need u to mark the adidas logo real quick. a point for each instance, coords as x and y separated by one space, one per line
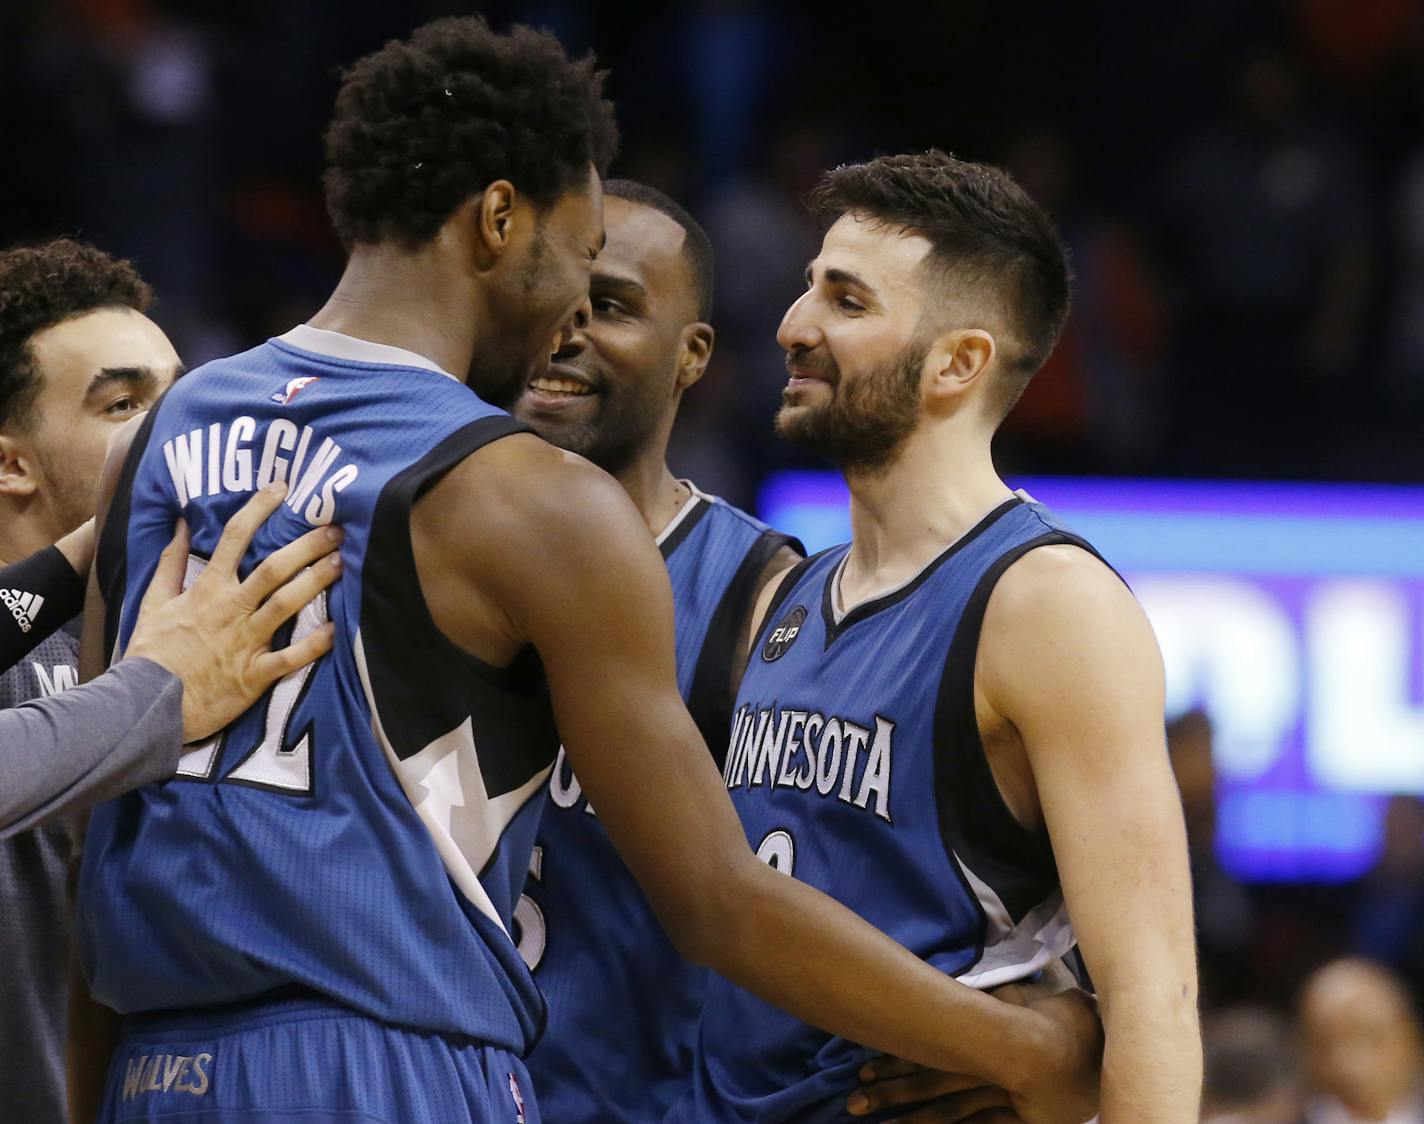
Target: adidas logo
25 607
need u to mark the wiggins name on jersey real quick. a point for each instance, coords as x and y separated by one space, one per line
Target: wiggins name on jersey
855 765
362 833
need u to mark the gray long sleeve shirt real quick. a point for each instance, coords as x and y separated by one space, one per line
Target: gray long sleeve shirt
62 748
73 749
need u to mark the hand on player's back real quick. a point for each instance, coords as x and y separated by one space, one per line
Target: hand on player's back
216 635
1065 1095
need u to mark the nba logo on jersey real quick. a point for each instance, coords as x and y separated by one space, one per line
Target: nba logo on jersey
518 1100
293 388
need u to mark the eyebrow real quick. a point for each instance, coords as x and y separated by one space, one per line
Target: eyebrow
845 277
624 285
108 376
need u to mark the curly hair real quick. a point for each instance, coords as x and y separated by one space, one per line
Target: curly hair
422 125
40 286
984 230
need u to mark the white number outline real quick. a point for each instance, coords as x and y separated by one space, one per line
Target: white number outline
533 930
778 851
272 764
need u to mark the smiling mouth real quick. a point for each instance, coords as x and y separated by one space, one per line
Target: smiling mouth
560 387
559 381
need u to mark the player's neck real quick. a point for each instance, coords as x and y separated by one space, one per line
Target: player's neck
903 516
655 491
406 300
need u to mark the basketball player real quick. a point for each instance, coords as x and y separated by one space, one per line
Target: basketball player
963 706
313 919
78 357
611 395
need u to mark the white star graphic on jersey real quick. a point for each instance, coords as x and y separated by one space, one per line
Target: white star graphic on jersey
443 793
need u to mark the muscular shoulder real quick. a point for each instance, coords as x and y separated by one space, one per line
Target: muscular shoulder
516 535
522 491
1060 616
1056 583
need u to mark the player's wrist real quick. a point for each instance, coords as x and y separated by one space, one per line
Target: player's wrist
1034 1050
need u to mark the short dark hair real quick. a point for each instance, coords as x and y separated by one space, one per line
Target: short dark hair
984 230
42 285
696 246
423 124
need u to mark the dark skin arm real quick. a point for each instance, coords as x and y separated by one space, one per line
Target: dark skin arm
523 544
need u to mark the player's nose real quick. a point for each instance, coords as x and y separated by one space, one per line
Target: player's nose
575 337
798 330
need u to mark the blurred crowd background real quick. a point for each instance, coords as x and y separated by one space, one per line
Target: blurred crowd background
1241 184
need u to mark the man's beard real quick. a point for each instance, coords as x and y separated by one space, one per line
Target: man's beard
621 430
867 419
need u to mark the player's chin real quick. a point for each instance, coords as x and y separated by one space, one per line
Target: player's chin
793 420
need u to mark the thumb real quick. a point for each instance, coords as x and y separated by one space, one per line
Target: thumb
172 568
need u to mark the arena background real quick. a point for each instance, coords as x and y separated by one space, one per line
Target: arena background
1234 414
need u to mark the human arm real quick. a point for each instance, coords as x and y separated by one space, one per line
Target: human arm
527 545
1068 659
929 1096
87 744
768 582
40 593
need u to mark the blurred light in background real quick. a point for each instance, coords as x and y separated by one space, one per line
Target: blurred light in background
1293 614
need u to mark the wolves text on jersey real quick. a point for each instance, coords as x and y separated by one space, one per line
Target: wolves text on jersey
204 462
803 749
158 1073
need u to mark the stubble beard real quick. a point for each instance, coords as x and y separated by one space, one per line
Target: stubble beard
867 419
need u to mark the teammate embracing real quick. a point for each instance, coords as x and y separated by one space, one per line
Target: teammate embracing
623 1004
313 921
952 724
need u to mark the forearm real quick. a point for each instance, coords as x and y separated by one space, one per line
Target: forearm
1152 1062
74 749
849 979
37 595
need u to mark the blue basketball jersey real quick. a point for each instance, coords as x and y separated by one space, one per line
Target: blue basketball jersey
855 765
363 832
623 1005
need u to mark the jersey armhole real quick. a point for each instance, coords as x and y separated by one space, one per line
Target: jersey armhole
111 548
712 694
392 584
976 826
789 581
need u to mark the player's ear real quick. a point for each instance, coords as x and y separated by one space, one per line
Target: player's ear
694 351
18 467
494 220
958 360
